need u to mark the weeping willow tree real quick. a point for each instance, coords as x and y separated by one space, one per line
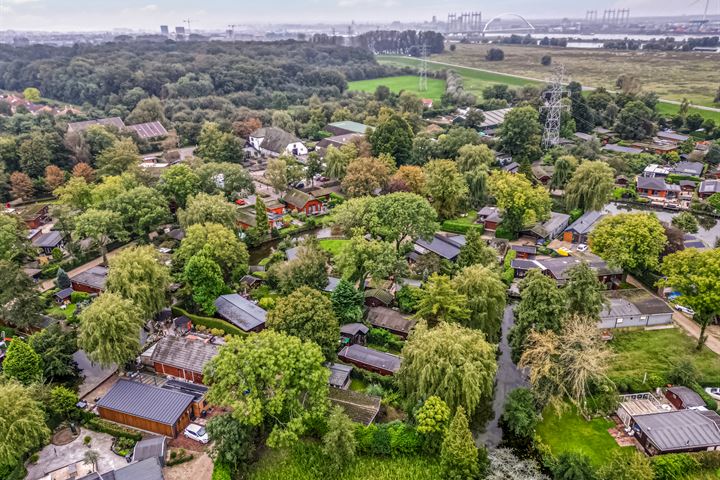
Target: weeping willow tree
137 275
564 168
477 180
590 186
568 365
451 362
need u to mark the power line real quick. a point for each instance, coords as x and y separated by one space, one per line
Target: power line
423 68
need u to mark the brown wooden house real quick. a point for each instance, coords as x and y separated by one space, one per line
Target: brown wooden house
90 281
390 320
683 397
183 357
369 359
146 407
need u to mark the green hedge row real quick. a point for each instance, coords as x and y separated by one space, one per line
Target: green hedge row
117 431
455 226
396 438
209 322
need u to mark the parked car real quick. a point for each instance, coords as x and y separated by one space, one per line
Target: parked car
686 310
714 392
562 252
582 248
196 432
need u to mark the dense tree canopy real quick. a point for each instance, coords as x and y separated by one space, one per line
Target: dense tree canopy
270 378
590 186
442 301
307 314
446 186
136 274
220 243
449 361
204 208
486 295
23 422
22 363
521 204
632 241
394 137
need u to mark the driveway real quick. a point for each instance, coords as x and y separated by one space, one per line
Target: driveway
693 329
53 457
507 379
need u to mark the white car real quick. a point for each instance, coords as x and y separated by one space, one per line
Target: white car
714 392
582 248
196 432
686 310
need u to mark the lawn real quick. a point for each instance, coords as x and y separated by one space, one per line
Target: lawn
655 352
306 462
333 246
58 312
409 83
572 433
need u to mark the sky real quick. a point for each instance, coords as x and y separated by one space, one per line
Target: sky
64 15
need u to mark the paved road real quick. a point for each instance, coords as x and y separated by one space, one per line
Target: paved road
508 378
544 80
50 284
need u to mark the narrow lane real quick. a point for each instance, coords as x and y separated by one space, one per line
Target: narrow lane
508 378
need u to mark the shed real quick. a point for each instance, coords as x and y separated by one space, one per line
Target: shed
63 296
390 320
684 398
183 357
360 407
446 247
241 312
550 228
49 241
580 229
90 281
354 333
369 359
339 375
146 407
525 251
378 297
634 307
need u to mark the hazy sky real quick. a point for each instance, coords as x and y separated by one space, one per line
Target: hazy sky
212 14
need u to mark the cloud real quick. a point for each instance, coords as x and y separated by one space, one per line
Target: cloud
367 3
20 2
149 8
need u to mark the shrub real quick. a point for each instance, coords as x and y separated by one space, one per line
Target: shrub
380 336
34 458
396 438
454 226
674 466
495 55
209 322
503 232
408 298
369 378
79 297
49 271
221 471
546 60
117 431
267 303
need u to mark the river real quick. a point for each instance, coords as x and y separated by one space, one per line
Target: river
507 379
706 235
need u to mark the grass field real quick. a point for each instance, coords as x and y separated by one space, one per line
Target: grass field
409 83
332 246
306 462
521 61
656 352
672 75
572 433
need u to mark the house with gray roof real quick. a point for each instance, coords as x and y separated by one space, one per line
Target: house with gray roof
580 229
49 241
273 141
611 147
241 312
550 228
689 168
339 375
447 247
147 469
336 141
149 130
115 122
656 187
183 357
634 307
146 407
672 136
558 268
677 431
90 281
708 188
373 360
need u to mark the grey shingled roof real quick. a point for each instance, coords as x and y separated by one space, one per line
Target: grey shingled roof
146 401
689 398
95 277
361 408
634 301
274 139
350 126
240 311
353 328
610 147
368 356
681 429
339 374
149 130
689 168
391 319
656 183
380 294
148 469
50 239
494 118
182 352
546 228
709 186
445 247
586 223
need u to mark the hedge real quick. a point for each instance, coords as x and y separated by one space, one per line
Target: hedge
396 438
117 431
221 471
209 322
455 226
380 336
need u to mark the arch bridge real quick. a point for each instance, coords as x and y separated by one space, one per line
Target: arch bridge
528 26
